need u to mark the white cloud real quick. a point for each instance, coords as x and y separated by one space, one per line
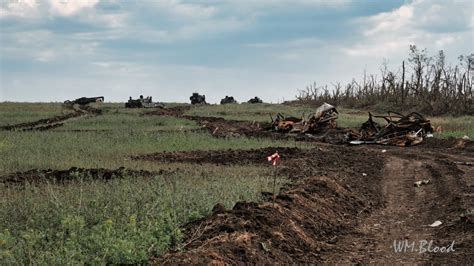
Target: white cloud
19 8
428 24
178 8
70 7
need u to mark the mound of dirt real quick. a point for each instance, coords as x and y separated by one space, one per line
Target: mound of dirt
74 173
305 219
176 111
302 222
347 204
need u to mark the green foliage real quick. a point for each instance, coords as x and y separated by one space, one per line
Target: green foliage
118 221
127 220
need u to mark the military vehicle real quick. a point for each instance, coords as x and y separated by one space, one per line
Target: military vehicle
255 100
85 100
196 98
228 99
142 103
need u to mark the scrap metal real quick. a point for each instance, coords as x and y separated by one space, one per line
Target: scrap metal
228 99
196 98
323 118
400 130
85 100
142 103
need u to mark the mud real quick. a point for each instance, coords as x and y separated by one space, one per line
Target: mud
52 122
74 173
348 206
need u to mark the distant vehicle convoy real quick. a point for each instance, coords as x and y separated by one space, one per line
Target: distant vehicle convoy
147 102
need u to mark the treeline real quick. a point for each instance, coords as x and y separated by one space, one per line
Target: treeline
423 83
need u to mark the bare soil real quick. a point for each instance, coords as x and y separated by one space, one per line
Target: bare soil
348 205
74 173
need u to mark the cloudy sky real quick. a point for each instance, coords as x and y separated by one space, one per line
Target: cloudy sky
53 50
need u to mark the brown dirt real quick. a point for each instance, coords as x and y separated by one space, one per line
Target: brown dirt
173 111
348 206
52 122
74 173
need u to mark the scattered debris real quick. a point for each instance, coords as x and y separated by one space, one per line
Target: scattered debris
85 100
401 130
465 163
142 103
196 98
435 224
228 99
255 100
323 118
422 182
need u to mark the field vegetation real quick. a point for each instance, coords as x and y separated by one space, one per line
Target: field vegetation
129 219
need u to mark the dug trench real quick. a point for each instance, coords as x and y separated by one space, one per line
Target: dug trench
52 122
74 174
346 205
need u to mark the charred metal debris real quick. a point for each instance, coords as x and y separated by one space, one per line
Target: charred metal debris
399 130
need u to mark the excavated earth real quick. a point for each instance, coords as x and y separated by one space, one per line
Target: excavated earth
74 173
347 204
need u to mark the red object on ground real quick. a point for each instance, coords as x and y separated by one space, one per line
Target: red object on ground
275 158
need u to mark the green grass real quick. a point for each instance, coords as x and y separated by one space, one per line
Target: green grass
14 113
129 121
60 150
119 221
128 220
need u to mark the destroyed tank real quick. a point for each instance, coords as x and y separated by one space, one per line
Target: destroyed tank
85 100
228 99
255 100
196 98
141 103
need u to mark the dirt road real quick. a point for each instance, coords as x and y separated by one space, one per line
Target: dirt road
407 212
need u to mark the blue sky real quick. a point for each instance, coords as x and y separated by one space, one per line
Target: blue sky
53 50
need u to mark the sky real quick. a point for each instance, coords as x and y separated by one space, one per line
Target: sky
54 50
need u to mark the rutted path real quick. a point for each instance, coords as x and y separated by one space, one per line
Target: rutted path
407 212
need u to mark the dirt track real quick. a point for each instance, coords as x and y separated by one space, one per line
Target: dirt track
52 122
349 205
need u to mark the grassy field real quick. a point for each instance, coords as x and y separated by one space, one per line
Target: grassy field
130 219
119 221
